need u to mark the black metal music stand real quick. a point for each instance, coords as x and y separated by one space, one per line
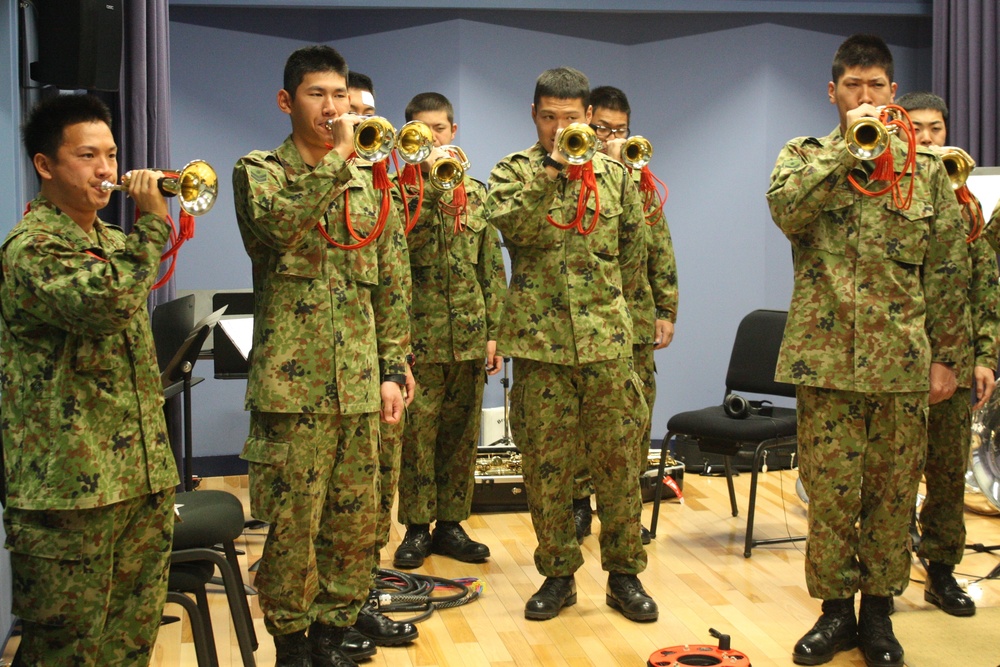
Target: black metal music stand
177 379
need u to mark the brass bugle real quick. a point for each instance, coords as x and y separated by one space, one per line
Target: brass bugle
958 164
374 138
196 186
414 142
637 151
448 172
577 143
868 137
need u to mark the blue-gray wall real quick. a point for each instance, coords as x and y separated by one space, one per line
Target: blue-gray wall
718 87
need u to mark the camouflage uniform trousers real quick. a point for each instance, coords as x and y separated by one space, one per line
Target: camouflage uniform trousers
313 479
942 516
389 447
89 585
560 416
439 443
645 365
860 460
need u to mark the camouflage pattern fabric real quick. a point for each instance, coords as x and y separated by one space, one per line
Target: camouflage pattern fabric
565 313
329 325
559 416
992 232
860 460
313 479
566 299
942 515
82 399
459 284
879 291
439 443
307 292
89 585
657 296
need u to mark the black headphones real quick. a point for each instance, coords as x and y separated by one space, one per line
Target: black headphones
738 407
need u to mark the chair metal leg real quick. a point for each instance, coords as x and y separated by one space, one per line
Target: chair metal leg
204 651
658 492
201 597
728 462
757 456
234 563
234 591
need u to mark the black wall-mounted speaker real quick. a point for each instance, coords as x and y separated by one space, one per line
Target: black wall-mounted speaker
79 43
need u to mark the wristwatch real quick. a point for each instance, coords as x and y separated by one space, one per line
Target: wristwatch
547 161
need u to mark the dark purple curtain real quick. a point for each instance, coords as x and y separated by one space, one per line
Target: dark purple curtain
965 73
143 103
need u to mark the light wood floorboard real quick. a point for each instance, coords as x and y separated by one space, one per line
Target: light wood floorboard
696 573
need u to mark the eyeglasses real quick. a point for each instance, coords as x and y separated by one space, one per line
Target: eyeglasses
607 132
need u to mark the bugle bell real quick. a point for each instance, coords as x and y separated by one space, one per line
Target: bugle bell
374 138
867 138
196 186
448 172
577 143
958 164
637 151
414 142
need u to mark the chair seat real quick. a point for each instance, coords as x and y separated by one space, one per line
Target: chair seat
718 433
190 576
207 517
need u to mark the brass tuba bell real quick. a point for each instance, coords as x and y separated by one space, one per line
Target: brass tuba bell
196 186
577 143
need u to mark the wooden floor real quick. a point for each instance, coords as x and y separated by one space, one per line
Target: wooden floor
696 573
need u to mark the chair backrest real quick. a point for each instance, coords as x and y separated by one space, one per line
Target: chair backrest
755 354
171 323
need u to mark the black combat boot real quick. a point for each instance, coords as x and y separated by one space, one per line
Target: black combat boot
292 650
878 643
381 629
626 594
414 548
325 646
836 630
555 593
451 540
582 517
943 591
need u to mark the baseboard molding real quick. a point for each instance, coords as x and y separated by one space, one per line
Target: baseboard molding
219 466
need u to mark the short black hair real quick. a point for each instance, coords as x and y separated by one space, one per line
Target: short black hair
917 101
360 81
609 97
862 51
563 83
309 59
42 132
429 102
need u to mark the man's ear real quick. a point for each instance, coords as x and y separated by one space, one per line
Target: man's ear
43 165
284 101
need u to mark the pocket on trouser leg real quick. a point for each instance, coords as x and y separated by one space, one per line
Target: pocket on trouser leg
56 579
266 473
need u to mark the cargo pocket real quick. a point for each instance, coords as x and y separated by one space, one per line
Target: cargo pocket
270 490
56 581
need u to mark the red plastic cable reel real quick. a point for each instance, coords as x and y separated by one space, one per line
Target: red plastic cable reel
700 654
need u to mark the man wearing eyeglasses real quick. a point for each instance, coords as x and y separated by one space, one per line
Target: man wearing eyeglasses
653 305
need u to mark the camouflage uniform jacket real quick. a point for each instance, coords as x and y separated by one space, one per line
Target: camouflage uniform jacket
992 231
657 297
329 323
879 292
566 299
984 300
459 281
83 419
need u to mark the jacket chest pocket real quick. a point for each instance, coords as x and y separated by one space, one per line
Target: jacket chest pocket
907 233
603 241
